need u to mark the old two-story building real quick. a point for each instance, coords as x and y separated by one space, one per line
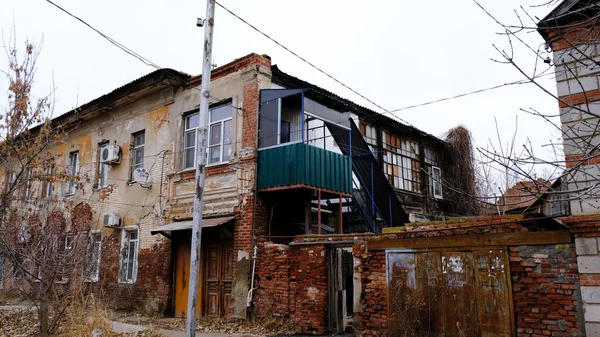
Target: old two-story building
285 158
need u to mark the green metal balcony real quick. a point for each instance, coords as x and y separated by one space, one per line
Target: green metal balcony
302 165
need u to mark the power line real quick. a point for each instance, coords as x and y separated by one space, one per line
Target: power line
301 58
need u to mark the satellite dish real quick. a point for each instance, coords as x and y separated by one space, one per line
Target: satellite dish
141 176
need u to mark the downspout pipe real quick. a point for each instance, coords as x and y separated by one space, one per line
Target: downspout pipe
251 291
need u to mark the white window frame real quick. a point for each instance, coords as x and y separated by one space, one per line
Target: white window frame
124 261
436 182
28 184
93 275
2 271
47 185
135 149
73 170
187 130
68 245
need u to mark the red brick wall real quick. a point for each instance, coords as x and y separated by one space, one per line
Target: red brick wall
152 290
374 291
272 298
545 290
291 282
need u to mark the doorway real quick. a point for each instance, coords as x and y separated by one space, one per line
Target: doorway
341 288
216 278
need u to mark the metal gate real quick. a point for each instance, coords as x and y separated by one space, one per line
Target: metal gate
449 293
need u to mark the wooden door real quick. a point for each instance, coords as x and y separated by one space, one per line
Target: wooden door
219 279
341 287
182 278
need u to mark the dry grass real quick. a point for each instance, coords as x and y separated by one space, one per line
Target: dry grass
80 319
257 326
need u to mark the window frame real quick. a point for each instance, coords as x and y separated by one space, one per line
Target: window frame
395 160
134 150
124 261
47 185
188 130
73 170
436 182
101 168
369 133
93 275
28 184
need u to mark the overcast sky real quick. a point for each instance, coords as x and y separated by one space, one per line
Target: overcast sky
396 53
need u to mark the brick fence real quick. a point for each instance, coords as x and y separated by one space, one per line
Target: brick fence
545 282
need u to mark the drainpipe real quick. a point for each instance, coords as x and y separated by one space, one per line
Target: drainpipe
251 291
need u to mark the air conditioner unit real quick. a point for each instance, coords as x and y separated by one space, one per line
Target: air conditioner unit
110 154
112 221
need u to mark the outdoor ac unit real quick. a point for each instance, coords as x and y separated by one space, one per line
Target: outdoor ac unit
112 221
110 154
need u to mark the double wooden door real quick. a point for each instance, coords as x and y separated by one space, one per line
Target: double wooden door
216 278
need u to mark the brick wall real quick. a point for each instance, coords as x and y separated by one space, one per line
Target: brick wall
374 291
546 290
152 290
291 283
545 280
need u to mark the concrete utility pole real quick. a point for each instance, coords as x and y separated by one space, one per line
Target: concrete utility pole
201 138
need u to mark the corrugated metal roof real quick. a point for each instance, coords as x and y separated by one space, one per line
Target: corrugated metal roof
144 81
183 225
566 12
329 98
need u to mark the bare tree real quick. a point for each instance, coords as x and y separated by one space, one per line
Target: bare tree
575 62
44 238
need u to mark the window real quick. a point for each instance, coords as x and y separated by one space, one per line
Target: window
10 180
370 135
28 183
435 182
402 163
72 171
285 132
1 272
92 260
137 151
219 136
68 241
63 274
102 169
47 185
434 173
129 252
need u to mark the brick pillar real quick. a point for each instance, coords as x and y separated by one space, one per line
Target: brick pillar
588 263
576 53
255 76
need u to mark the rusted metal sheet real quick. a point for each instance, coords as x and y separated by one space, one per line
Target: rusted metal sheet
482 240
493 303
449 293
429 276
460 310
403 295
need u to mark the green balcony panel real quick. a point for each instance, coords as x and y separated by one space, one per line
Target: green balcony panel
302 164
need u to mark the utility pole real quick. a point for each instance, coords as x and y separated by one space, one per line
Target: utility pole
201 138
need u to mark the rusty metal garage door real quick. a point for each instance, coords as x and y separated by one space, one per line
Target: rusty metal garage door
449 293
